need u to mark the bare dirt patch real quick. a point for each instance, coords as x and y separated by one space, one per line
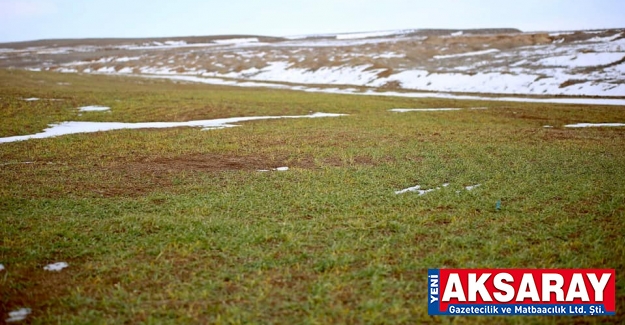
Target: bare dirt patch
208 163
33 287
139 177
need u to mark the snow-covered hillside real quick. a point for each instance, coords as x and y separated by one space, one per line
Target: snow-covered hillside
581 63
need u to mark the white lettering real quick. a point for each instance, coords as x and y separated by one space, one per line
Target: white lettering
577 288
556 288
599 286
527 288
453 289
476 286
502 286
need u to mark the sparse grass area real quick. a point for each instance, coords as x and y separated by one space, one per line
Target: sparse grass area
177 226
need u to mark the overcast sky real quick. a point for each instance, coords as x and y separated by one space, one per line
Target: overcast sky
44 19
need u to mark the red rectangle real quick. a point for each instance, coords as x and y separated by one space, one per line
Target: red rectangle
527 286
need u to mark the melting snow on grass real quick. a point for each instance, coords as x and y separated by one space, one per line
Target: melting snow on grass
55 266
418 189
404 110
94 108
74 127
18 315
471 187
279 169
590 125
1 267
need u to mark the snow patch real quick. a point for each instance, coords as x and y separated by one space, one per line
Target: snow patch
590 125
1 267
471 187
418 189
279 169
127 59
18 315
74 127
343 75
94 108
582 60
605 39
404 110
407 75
236 41
561 33
55 266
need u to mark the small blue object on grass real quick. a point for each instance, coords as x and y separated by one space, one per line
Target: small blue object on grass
498 205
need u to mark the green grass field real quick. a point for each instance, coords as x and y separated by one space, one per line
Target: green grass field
178 226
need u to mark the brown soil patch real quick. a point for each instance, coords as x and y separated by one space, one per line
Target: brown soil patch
208 163
571 82
33 287
391 85
136 178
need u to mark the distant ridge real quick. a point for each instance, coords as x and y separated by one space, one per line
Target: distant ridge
128 41
205 39
478 31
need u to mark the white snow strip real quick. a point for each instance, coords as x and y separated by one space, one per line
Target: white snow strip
280 72
418 189
478 108
74 127
175 43
404 110
548 126
582 60
582 101
448 56
18 315
31 99
471 187
280 169
411 189
94 108
561 33
351 91
590 125
236 41
55 266
605 39
126 59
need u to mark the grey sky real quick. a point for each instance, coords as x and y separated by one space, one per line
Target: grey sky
43 19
